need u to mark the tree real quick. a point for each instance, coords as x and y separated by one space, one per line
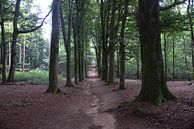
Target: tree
154 88
15 34
122 47
3 43
67 41
54 50
112 44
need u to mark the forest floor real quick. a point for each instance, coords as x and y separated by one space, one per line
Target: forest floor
93 105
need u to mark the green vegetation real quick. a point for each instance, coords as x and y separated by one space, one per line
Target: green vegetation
35 76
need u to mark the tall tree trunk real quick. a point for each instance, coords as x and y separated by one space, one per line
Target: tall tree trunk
165 57
118 63
75 53
112 44
14 41
185 58
78 7
68 83
3 42
23 56
54 51
154 88
189 11
122 48
103 14
173 60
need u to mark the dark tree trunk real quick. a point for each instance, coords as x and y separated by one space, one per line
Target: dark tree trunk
103 15
68 83
14 41
3 43
122 48
118 63
112 44
78 7
165 56
75 53
173 60
154 88
54 51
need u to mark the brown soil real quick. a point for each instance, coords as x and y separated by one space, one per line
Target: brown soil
92 105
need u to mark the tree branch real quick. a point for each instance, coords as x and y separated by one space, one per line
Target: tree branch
172 5
37 27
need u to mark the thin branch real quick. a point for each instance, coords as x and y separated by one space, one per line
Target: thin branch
36 28
172 5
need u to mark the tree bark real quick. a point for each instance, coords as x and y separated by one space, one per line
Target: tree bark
189 11
122 48
112 44
3 42
54 51
14 41
75 53
173 59
154 88
165 57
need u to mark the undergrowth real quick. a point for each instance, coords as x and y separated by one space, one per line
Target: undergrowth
36 76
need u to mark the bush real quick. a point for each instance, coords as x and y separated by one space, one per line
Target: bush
36 76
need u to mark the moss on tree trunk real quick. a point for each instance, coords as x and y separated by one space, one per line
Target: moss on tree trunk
154 88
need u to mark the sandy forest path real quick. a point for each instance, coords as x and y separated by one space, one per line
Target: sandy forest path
92 105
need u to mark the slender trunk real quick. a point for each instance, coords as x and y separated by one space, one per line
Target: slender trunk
173 60
3 43
122 48
103 14
78 6
185 58
189 11
75 53
112 44
20 56
54 49
14 41
68 49
23 57
138 69
118 63
165 57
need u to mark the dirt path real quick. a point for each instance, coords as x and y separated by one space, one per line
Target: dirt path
26 106
91 105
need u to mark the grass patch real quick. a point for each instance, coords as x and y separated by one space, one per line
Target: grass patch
36 76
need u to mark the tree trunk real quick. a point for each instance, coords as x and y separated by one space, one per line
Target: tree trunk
54 51
165 57
68 83
78 14
3 43
122 48
75 53
14 41
112 44
173 61
103 14
154 88
23 56
185 58
189 11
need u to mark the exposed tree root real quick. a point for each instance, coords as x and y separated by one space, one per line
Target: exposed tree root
53 90
69 85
